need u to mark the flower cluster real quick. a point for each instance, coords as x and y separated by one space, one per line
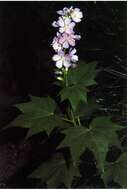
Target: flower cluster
64 41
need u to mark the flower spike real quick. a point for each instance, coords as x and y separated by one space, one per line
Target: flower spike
65 38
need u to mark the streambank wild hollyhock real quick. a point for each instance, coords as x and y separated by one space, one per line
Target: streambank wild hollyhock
64 41
76 125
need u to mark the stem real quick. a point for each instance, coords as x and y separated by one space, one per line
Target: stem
66 84
73 117
68 120
65 77
78 119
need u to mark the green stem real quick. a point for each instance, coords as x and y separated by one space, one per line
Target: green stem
65 78
68 120
78 119
72 113
73 117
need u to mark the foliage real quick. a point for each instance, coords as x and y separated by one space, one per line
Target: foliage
55 172
41 114
98 137
78 80
117 171
37 115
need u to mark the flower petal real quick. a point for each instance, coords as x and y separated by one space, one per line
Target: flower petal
65 9
65 45
76 19
77 37
71 41
60 12
67 21
55 24
72 25
59 64
56 57
67 64
73 51
61 22
62 39
56 46
74 58
61 29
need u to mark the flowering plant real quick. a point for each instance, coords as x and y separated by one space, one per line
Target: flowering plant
97 134
66 37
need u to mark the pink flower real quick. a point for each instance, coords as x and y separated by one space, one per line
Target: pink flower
76 15
66 57
55 44
65 25
61 60
64 40
65 11
65 60
73 57
68 39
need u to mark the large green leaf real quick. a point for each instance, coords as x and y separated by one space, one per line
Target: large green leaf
104 127
38 115
76 139
78 81
86 109
117 171
103 135
38 107
56 172
83 74
37 125
74 94
45 124
97 138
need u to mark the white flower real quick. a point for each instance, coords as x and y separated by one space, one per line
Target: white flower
55 44
76 15
64 41
73 57
62 60
68 39
65 60
65 12
66 57
65 25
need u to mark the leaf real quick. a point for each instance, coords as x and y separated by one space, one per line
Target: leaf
99 146
86 109
78 139
83 74
74 94
56 172
117 171
104 131
38 115
38 107
105 127
97 138
75 139
37 125
78 81
45 124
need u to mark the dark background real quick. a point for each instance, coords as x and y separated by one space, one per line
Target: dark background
26 67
